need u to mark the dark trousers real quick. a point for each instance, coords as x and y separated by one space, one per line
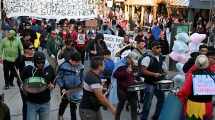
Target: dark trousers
24 102
82 52
132 99
9 71
63 105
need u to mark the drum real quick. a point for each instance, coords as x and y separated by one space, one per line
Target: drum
75 95
35 84
136 87
165 85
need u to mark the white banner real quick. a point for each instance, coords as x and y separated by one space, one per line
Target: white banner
52 9
112 43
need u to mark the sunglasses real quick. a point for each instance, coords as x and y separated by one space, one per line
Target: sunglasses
27 25
31 48
54 33
158 47
64 26
79 29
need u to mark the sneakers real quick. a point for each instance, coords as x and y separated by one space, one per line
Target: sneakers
59 117
6 87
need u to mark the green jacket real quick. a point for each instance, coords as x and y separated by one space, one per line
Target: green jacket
53 46
10 49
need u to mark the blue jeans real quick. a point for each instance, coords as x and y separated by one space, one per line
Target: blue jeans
43 110
149 93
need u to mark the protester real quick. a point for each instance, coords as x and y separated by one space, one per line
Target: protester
108 70
203 49
140 35
35 26
26 38
89 108
4 110
67 51
58 29
80 41
97 46
197 107
45 35
64 33
9 51
29 30
20 63
152 70
72 31
70 77
54 44
121 32
124 76
38 104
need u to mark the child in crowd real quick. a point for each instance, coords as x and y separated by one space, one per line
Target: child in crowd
108 70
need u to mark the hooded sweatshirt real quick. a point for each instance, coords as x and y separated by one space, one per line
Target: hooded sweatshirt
47 73
11 48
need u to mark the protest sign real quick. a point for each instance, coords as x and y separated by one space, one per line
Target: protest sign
81 38
112 43
203 85
91 23
52 9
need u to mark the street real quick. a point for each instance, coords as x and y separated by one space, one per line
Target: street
13 99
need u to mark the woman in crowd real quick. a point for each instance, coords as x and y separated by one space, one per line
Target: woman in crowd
197 107
80 42
64 33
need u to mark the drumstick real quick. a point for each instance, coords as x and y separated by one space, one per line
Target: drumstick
55 80
62 95
18 75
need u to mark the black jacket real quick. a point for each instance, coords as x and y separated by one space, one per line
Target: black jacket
99 48
121 32
47 73
32 33
190 62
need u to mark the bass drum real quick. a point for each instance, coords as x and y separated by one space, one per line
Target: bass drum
60 61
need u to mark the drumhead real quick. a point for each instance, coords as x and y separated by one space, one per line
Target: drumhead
165 81
75 95
35 85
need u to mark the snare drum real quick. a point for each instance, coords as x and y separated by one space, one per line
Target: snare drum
75 95
136 87
35 84
165 85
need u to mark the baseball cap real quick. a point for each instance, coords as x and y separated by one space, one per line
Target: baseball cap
155 43
33 21
133 56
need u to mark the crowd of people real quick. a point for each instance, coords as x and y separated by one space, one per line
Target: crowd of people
22 58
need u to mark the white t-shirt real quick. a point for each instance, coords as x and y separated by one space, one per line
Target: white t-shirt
146 60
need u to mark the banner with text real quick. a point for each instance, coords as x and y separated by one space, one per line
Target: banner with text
203 85
52 9
112 43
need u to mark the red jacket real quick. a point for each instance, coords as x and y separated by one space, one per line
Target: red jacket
79 46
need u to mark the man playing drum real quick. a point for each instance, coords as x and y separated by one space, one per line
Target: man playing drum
151 67
92 99
39 72
125 77
70 77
